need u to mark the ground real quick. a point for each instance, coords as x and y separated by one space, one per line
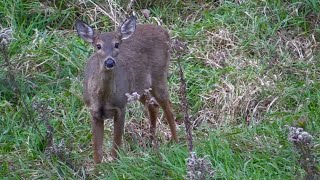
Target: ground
252 70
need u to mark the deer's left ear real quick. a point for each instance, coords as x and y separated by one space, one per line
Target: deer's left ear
128 27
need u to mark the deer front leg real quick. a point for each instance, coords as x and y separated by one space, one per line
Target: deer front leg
118 128
97 131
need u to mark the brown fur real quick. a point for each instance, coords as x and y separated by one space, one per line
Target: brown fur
141 63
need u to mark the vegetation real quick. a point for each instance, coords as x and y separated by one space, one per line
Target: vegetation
252 69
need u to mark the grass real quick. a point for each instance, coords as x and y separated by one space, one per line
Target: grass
251 68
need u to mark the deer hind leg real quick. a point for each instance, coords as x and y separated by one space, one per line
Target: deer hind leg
153 111
97 131
162 96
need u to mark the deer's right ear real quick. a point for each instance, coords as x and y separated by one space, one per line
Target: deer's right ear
85 31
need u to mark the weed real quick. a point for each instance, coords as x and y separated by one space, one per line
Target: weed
302 142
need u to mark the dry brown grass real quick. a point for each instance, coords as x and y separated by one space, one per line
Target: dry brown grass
218 47
299 46
235 98
232 103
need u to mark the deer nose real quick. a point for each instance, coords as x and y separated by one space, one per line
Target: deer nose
109 63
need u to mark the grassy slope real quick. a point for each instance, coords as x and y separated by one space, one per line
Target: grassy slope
246 81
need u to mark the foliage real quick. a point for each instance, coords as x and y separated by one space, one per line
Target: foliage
251 68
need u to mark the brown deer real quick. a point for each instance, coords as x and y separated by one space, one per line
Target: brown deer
132 59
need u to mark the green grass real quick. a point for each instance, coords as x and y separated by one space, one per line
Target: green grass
241 102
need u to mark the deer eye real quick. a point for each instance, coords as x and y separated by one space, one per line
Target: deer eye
116 45
98 46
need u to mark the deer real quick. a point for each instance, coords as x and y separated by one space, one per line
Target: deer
131 59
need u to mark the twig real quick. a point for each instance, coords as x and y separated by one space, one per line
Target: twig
197 168
130 8
110 15
185 107
178 48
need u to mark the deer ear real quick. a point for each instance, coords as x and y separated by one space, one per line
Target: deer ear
128 27
85 31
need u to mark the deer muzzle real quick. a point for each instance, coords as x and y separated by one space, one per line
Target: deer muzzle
109 63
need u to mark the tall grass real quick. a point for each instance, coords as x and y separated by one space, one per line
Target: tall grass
251 68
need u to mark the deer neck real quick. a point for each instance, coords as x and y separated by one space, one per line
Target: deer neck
102 84
108 83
